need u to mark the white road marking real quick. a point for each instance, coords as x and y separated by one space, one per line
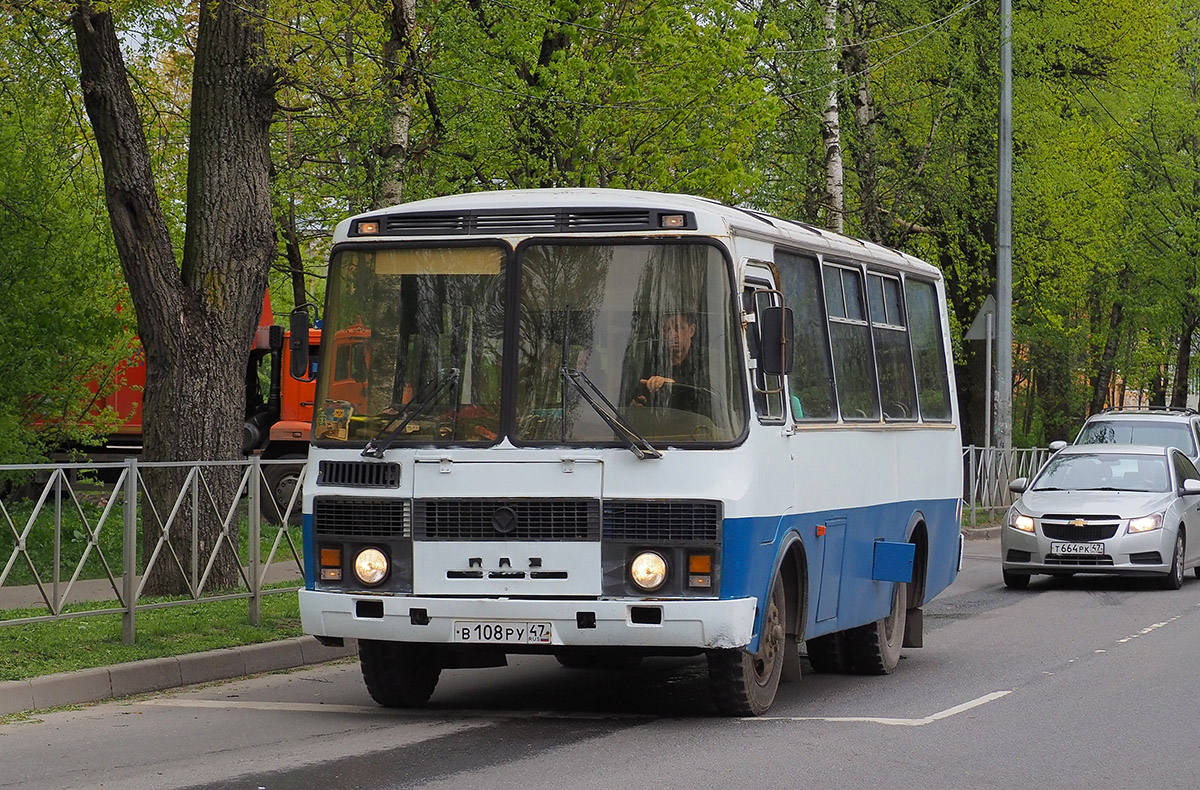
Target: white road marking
943 714
1148 629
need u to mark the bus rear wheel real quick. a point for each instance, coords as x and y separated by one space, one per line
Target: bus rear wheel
398 674
745 683
874 649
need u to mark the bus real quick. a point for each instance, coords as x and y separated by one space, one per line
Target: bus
605 424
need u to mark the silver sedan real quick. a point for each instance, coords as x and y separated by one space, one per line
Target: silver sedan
1127 509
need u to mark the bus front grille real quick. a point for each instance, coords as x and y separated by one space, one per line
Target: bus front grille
349 517
663 520
507 519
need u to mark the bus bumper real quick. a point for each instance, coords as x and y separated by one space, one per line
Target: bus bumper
708 624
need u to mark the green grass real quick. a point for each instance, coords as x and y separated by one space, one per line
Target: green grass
34 649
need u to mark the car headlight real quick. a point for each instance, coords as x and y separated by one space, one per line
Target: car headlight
1020 521
1145 523
371 566
648 570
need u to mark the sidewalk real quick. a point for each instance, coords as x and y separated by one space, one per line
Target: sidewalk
155 674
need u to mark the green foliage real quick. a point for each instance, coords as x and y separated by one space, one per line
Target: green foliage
59 276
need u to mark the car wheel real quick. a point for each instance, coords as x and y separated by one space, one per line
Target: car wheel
1174 578
1016 581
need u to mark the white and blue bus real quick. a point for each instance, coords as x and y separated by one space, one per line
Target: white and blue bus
606 424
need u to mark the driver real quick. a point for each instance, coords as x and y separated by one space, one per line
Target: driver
682 382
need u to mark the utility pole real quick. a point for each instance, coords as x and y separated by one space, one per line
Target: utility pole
1004 335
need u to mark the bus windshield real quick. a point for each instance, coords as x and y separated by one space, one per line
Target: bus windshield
649 326
641 331
430 324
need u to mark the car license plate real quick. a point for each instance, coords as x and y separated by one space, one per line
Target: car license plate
502 632
1087 549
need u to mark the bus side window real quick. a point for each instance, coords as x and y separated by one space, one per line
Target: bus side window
768 390
811 379
929 355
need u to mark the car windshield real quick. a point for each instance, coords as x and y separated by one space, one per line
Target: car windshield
1158 433
1104 473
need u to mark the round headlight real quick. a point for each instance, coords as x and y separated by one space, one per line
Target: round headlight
648 570
371 566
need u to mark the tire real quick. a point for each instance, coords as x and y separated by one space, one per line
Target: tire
1016 581
828 653
279 481
745 683
1174 578
874 649
398 674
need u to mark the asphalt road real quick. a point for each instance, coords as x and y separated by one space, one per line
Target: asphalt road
1088 682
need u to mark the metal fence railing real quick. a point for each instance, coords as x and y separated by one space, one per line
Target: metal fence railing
987 471
73 534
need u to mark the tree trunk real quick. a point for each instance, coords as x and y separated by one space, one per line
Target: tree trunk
400 64
1183 359
831 133
1102 382
196 321
866 159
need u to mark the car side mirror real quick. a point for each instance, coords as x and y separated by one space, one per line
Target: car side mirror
1019 485
1191 486
1057 445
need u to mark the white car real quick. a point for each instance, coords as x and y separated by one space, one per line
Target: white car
1127 509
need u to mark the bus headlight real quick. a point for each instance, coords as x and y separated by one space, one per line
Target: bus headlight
648 570
371 566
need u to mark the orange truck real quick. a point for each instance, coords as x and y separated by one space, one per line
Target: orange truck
279 409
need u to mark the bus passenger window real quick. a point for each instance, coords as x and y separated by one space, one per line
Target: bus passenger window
811 381
929 356
851 338
893 358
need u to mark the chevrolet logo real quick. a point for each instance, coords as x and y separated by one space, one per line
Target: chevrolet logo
1078 523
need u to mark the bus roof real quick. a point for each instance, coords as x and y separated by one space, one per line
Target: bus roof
520 213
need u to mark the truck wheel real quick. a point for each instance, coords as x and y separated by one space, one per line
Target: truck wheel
398 674
744 683
279 481
874 649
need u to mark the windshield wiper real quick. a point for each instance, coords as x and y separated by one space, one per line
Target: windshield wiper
637 443
410 411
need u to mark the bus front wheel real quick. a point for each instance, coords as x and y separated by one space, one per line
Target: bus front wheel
398 674
744 683
874 649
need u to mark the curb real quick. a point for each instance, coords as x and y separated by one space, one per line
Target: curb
158 674
982 533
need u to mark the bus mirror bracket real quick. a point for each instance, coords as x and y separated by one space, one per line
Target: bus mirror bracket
775 328
301 366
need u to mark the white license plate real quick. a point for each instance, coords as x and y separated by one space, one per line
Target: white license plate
1077 548
502 632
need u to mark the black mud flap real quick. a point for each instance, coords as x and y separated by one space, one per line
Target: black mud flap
914 628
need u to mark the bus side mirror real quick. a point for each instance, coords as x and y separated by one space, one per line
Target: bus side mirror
775 332
300 366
